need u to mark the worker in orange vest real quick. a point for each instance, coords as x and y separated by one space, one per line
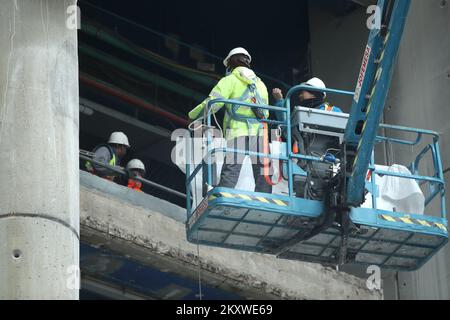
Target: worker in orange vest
308 99
315 100
135 168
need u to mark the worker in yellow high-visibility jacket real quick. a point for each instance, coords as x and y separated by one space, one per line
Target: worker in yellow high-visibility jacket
242 127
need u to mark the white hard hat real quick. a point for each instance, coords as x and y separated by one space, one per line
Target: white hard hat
119 138
317 83
234 52
135 164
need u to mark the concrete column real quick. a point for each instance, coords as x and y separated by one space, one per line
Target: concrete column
39 178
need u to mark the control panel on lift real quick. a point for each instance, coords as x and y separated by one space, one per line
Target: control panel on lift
318 121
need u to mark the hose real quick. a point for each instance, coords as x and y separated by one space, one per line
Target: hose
266 150
131 99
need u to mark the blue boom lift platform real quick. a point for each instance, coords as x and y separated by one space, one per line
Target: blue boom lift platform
336 229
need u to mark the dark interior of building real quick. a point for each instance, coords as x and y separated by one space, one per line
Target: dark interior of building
145 65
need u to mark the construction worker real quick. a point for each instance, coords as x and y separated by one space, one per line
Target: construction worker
240 84
110 153
311 144
135 168
308 99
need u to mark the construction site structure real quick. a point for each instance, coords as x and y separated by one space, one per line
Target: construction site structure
336 229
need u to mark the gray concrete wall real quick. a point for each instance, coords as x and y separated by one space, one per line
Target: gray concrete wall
39 180
419 97
151 228
337 45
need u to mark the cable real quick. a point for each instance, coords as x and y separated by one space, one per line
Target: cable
333 149
125 85
217 58
199 271
192 127
148 29
217 123
131 99
140 51
313 191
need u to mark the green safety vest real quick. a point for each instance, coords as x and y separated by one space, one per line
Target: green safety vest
242 85
111 162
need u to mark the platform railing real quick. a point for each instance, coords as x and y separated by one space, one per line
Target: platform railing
119 171
287 103
436 182
206 162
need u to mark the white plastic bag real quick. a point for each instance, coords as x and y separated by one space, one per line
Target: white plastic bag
397 194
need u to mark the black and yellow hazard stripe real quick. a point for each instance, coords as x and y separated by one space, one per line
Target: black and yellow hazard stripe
419 222
247 197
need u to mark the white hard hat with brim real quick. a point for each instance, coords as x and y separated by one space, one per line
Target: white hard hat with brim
236 51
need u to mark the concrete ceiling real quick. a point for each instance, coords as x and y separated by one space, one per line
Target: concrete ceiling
109 275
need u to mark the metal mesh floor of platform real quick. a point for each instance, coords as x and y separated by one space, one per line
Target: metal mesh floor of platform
239 223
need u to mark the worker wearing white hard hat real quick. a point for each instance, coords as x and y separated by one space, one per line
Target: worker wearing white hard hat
135 168
308 143
316 83
314 98
135 165
237 51
119 138
242 128
109 154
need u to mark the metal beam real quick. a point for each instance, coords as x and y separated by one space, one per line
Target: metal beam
365 3
141 73
85 103
109 290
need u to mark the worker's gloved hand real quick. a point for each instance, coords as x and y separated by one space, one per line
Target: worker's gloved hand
277 94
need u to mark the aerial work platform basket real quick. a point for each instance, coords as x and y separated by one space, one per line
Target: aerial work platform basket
297 228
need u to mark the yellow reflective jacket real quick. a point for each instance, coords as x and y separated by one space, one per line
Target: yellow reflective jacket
236 87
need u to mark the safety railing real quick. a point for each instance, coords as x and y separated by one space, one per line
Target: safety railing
291 155
86 156
206 162
436 181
